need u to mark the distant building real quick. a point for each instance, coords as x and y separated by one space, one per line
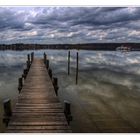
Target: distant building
123 48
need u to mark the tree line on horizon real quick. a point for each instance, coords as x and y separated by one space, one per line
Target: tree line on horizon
87 46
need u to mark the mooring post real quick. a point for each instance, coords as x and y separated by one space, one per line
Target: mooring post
28 57
20 84
67 111
32 57
28 61
50 73
45 58
25 72
7 111
68 62
47 64
55 84
77 67
28 65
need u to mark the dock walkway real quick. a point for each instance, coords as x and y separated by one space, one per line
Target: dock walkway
38 108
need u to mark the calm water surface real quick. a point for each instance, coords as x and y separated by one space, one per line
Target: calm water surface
108 86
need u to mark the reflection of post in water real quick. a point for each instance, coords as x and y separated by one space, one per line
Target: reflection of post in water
77 67
68 62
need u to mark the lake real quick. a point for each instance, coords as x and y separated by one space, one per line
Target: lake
107 97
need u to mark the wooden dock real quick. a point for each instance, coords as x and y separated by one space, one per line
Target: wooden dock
38 109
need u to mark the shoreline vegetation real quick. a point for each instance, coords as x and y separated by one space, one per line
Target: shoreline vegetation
87 46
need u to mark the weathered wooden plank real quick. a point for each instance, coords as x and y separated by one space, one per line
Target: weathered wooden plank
41 127
39 131
35 100
38 110
48 97
39 105
33 114
38 118
36 123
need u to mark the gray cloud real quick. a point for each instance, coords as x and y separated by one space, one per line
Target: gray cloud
10 20
69 24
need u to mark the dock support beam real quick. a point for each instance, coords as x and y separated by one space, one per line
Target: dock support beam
45 58
32 57
28 57
28 65
25 72
55 84
47 64
46 61
20 84
50 73
68 62
7 111
67 111
29 60
77 67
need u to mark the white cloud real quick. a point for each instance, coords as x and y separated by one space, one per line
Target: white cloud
134 33
32 33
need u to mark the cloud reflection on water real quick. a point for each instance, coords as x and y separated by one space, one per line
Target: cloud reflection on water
102 75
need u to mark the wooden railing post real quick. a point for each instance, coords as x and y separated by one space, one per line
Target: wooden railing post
7 111
67 111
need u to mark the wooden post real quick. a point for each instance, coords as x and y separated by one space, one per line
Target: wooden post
50 73
45 58
28 61
32 57
47 64
68 62
67 111
25 72
55 84
7 111
7 107
77 67
20 84
28 57
28 65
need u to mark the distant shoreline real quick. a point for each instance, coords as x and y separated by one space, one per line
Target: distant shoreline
88 46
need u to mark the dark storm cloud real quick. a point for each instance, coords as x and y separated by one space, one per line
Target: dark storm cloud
86 16
9 19
107 17
69 24
15 20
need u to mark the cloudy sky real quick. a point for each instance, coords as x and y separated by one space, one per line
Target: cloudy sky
69 24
